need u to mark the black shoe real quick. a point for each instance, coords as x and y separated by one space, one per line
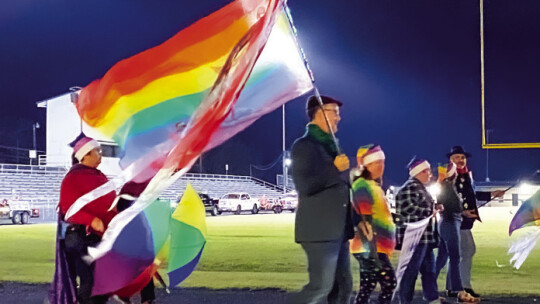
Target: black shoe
471 292
451 294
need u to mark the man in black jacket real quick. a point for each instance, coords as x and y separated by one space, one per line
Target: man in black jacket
465 189
323 226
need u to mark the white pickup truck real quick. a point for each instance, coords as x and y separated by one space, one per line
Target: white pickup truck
19 212
238 202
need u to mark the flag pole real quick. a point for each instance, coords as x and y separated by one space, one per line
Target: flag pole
537 172
372 245
310 73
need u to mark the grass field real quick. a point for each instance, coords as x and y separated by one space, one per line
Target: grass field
259 252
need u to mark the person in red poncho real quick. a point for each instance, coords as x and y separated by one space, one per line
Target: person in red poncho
88 224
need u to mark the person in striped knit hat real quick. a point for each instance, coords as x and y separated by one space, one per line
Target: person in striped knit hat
414 203
374 239
449 233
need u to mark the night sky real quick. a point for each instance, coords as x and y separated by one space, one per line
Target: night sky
407 71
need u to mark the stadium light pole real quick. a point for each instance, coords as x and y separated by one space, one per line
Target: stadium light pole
34 127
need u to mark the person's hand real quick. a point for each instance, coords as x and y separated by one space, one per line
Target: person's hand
97 225
366 230
470 214
341 162
438 208
497 193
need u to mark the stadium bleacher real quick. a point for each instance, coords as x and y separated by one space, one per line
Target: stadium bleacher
40 185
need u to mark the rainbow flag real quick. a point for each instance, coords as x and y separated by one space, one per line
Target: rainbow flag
167 105
157 236
527 215
149 103
163 134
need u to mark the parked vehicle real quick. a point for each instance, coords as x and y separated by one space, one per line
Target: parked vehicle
210 205
238 202
289 201
270 204
19 212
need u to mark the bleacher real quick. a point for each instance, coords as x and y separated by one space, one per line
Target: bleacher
217 185
41 184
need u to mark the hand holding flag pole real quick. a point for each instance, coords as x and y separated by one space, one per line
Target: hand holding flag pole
537 172
372 246
310 72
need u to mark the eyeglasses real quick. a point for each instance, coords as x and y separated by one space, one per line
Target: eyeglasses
335 111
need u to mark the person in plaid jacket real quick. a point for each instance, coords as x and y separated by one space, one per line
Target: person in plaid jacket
414 203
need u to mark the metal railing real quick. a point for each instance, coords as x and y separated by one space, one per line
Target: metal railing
266 184
17 168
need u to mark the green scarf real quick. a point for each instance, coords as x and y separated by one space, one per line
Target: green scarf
324 138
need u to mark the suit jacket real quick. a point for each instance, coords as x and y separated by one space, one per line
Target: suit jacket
323 212
465 189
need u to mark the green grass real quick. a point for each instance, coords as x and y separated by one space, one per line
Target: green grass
259 252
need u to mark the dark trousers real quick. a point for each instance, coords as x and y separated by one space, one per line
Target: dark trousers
77 243
371 274
147 293
330 279
422 261
449 247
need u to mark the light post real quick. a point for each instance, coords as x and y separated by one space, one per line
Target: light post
34 127
287 161
226 169
284 152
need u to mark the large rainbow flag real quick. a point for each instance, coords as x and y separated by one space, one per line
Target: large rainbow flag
167 105
148 102
163 125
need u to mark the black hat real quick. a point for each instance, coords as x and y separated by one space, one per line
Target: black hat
458 150
312 104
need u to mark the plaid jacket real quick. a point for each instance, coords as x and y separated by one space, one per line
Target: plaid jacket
414 203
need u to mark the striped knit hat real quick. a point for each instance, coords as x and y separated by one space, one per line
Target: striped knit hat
82 145
448 170
417 165
368 154
451 169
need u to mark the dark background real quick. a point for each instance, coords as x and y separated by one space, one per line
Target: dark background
407 71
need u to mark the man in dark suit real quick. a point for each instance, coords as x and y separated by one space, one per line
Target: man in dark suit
465 188
323 226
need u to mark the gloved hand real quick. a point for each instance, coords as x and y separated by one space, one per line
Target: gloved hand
341 162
